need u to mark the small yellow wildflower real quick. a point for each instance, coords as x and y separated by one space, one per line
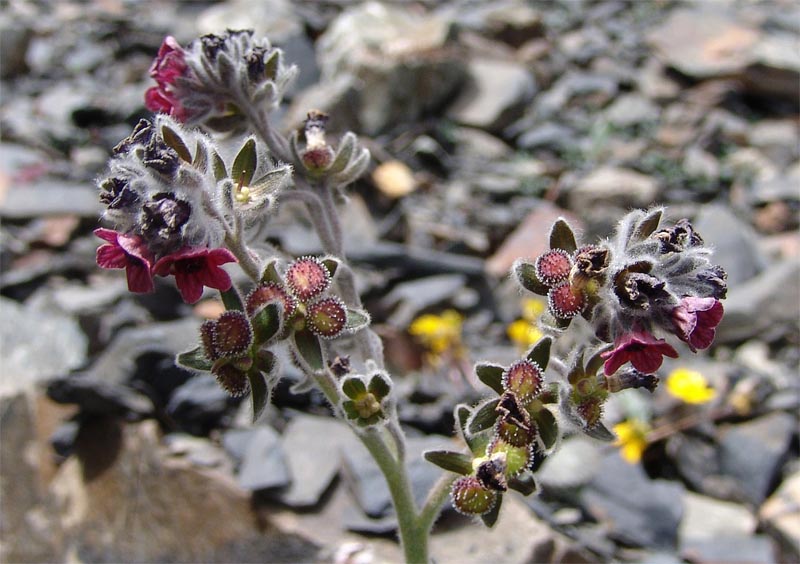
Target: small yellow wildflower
689 386
525 332
439 334
632 439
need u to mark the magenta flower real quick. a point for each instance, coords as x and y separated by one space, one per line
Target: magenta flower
130 253
640 348
195 267
170 64
696 321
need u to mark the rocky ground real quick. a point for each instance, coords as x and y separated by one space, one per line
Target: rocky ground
486 121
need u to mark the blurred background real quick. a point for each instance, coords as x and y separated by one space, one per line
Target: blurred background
486 121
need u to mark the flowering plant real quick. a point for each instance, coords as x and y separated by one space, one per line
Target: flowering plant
178 205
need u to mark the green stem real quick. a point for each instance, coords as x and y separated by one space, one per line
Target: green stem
413 536
436 498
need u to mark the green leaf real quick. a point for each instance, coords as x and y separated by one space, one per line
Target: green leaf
331 264
267 322
354 387
271 65
244 165
524 483
483 417
461 414
491 375
195 359
232 300
600 432
220 172
356 319
270 273
259 393
547 426
200 161
308 347
540 353
379 386
525 272
647 225
490 517
451 461
173 140
344 152
562 237
596 362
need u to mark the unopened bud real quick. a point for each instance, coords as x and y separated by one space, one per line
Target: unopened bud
470 497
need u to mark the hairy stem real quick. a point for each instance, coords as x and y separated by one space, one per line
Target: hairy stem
436 498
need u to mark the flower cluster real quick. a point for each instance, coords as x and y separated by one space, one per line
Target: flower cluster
509 435
172 208
216 77
644 281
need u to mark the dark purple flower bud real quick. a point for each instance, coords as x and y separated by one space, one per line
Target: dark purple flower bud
716 279
161 157
256 64
681 236
492 474
141 135
162 219
696 320
589 268
631 378
117 195
211 44
641 291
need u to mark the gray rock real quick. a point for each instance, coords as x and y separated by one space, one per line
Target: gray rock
706 518
511 21
199 404
153 507
117 363
368 485
495 95
410 298
631 109
765 306
700 164
398 57
636 509
777 139
37 344
727 45
264 463
201 452
573 465
50 197
23 466
613 186
697 460
780 518
730 548
99 397
549 135
313 447
753 452
275 19
734 242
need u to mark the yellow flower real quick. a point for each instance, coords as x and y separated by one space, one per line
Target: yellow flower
525 332
632 439
438 333
689 386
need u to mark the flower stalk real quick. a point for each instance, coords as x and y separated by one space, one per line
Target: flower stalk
178 208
